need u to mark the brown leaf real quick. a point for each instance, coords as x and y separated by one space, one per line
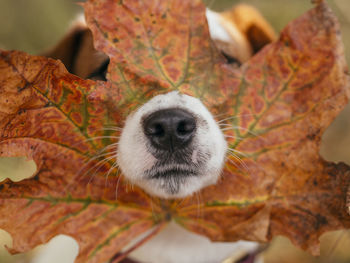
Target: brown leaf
281 102
289 94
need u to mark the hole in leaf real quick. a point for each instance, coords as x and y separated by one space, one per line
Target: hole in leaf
5 256
16 168
60 249
335 144
334 248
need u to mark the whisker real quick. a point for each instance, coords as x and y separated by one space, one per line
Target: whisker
83 141
91 138
234 152
239 152
220 114
109 171
104 160
114 128
235 117
233 137
233 163
242 163
233 128
197 198
113 145
117 186
94 158
97 167
85 165
102 137
154 214
131 185
199 202
180 202
245 166
226 119
245 129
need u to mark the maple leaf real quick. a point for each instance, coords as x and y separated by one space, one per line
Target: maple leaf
280 103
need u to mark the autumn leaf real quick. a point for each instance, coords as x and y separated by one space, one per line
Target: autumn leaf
279 103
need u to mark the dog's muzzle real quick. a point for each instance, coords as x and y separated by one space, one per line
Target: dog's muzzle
171 146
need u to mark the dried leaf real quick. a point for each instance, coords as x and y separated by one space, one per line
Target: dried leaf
281 102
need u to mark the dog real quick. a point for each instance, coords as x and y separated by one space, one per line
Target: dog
172 146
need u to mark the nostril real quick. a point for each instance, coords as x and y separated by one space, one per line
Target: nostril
169 129
185 127
158 130
155 129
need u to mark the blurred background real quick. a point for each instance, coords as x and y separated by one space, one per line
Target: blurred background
36 25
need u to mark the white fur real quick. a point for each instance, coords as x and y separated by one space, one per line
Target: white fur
217 31
134 158
177 245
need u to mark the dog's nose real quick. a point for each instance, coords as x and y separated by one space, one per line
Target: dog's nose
170 129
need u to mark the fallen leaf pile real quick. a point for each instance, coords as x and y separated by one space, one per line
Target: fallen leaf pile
274 110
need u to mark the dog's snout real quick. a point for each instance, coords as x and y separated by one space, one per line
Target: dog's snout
175 144
170 129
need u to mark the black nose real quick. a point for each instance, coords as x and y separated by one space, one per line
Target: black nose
170 129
